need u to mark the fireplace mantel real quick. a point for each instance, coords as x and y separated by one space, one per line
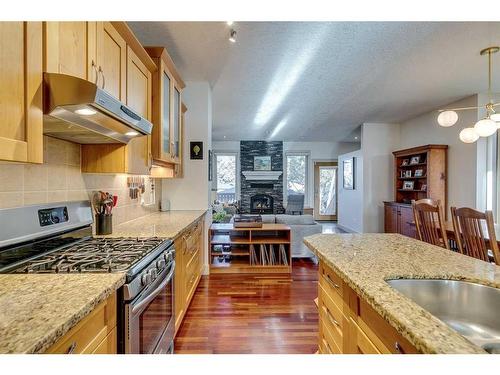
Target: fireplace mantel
262 175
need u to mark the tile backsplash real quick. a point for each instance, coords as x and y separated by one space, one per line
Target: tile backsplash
60 179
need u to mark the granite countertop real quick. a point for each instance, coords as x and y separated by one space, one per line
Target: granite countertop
38 309
365 261
159 224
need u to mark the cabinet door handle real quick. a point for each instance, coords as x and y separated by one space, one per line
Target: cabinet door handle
103 78
330 351
331 282
71 348
330 317
398 348
96 72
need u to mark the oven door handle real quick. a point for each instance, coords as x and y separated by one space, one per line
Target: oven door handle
154 293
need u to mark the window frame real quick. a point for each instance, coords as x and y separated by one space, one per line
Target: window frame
307 189
236 154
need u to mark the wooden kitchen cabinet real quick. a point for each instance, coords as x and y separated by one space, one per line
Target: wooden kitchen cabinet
94 334
167 134
136 92
21 60
94 51
111 60
70 48
398 218
349 325
188 267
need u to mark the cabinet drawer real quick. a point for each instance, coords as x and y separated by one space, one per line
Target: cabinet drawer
335 312
327 347
86 336
363 343
387 339
332 291
329 330
331 281
108 345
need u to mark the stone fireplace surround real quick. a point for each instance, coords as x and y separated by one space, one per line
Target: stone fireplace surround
272 187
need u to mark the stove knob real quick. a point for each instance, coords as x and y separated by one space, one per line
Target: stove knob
160 264
168 257
152 274
146 278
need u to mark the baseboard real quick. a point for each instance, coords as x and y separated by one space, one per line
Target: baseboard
347 229
206 270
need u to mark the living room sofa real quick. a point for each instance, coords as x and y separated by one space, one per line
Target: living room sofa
301 226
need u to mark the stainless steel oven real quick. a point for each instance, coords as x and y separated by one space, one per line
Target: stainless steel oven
149 316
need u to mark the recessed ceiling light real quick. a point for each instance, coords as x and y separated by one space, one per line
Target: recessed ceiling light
232 36
85 111
356 138
224 137
229 23
131 134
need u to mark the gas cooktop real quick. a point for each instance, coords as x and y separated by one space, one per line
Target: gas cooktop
91 255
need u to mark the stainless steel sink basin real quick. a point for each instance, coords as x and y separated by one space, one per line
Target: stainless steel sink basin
473 310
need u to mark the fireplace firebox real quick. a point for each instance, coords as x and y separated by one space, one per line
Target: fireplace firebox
261 204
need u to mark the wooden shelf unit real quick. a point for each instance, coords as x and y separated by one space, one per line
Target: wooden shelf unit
237 246
398 214
433 165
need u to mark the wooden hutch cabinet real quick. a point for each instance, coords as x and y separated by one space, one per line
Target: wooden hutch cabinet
419 172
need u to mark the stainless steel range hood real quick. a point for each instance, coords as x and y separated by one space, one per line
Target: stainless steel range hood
78 111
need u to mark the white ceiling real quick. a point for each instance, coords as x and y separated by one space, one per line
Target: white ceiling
317 81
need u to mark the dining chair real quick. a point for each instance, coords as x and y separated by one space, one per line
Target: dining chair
428 215
469 225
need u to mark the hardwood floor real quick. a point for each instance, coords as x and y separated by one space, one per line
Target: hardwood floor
253 314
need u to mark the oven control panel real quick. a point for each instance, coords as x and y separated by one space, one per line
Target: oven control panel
51 216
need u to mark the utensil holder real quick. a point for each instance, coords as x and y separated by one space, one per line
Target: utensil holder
104 224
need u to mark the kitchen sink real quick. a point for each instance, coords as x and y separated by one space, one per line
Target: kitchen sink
473 310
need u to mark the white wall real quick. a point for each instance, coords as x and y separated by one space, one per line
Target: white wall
192 192
378 141
318 151
350 202
462 157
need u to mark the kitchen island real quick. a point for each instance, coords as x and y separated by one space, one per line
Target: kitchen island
363 263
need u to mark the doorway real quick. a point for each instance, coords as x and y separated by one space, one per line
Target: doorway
325 190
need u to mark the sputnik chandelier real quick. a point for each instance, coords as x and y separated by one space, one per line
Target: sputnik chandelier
484 127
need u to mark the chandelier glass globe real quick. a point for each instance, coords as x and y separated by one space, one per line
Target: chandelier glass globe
496 117
485 127
447 118
468 135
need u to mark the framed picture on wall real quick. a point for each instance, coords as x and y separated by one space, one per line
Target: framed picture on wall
348 174
196 150
261 163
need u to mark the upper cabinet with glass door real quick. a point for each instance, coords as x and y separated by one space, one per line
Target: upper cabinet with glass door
167 132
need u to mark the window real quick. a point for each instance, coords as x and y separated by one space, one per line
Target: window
226 176
297 179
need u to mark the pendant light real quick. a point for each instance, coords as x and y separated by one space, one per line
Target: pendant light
468 135
484 127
